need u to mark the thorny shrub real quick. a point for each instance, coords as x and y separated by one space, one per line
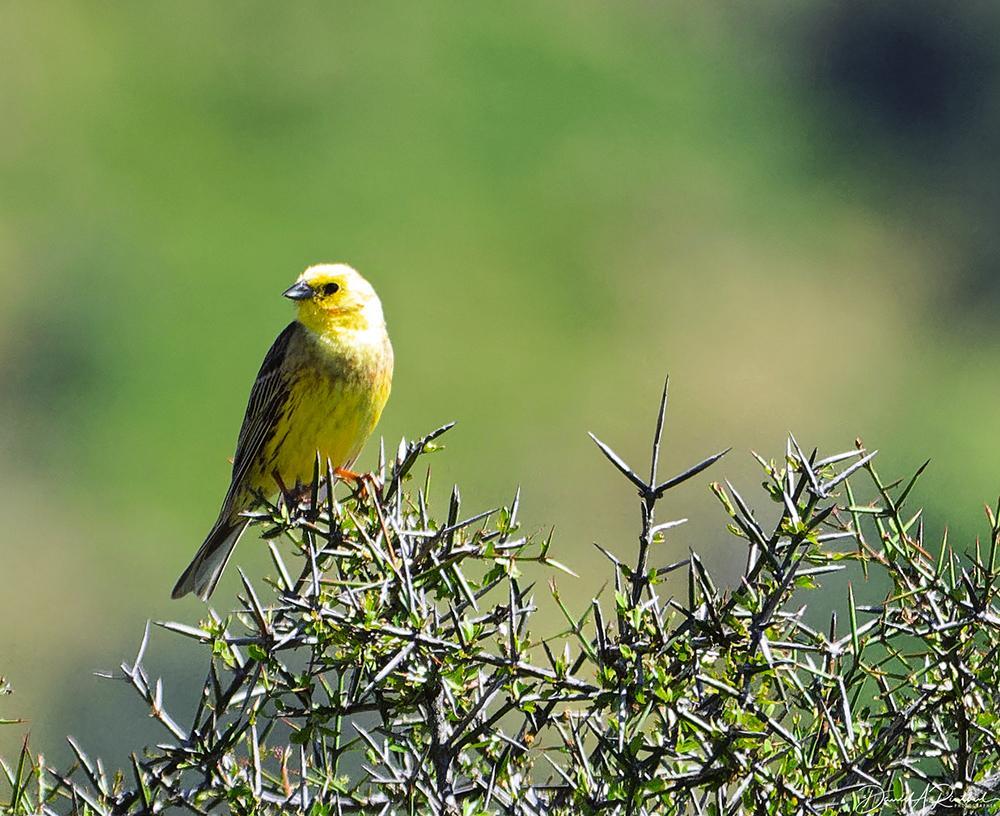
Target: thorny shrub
389 667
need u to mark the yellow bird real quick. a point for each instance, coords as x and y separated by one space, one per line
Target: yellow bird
322 387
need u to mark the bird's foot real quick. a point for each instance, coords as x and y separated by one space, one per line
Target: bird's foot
368 484
299 496
283 492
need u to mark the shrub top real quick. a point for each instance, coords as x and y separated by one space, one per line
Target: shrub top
390 667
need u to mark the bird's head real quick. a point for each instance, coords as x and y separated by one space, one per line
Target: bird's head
335 296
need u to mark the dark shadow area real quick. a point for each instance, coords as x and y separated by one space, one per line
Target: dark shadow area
907 94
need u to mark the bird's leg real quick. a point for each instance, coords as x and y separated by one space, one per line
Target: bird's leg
286 495
363 478
350 476
279 482
366 482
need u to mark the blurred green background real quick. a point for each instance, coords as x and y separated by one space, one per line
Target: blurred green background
791 207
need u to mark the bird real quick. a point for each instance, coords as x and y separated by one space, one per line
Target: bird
320 391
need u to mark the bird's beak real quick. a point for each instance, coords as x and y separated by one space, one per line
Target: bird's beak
299 291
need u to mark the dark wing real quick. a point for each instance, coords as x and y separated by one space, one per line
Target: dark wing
267 397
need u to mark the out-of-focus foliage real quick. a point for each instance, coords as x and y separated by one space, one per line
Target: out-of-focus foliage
553 200
394 669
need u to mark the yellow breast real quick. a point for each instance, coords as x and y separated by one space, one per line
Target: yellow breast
337 388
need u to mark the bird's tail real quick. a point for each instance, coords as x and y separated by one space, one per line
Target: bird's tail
204 571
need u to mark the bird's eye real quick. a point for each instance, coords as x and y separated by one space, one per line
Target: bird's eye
330 288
